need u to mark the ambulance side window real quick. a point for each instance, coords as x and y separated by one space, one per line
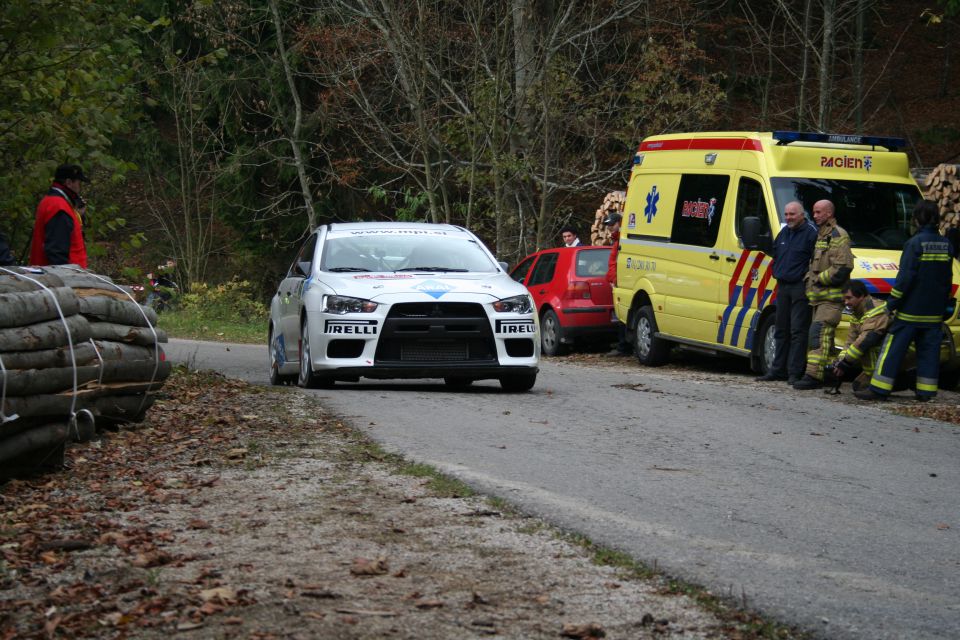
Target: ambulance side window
700 199
750 203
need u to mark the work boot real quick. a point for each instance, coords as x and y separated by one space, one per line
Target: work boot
922 397
806 383
770 376
869 394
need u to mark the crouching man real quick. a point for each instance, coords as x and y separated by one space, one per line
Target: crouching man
868 325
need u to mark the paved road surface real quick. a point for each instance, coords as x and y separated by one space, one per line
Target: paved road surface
839 517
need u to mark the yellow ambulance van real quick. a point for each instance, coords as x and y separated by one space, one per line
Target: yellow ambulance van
701 213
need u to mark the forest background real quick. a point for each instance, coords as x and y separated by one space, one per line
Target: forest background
219 133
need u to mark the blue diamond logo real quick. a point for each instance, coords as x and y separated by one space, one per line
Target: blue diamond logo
434 288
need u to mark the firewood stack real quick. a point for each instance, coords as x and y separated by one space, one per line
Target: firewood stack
76 354
942 185
612 203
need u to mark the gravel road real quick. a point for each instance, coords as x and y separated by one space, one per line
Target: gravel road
819 511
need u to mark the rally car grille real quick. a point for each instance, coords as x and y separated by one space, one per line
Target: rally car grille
437 310
436 332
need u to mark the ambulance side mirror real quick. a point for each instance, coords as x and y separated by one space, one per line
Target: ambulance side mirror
755 237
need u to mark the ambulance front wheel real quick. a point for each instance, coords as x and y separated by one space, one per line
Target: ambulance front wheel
651 350
762 360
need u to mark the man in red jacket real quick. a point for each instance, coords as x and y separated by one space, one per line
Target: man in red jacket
612 222
58 225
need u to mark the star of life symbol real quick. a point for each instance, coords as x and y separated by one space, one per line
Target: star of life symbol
868 163
652 199
433 288
866 265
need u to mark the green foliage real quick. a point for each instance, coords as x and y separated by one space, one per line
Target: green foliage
68 88
230 301
409 205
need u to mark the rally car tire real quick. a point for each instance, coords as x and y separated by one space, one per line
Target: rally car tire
550 334
518 382
457 382
276 378
307 378
651 351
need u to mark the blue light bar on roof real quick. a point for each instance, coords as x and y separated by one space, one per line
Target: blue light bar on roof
786 137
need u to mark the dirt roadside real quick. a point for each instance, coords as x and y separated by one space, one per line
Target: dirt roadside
240 511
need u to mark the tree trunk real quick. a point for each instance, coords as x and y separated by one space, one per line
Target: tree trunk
805 65
83 353
29 382
45 335
826 64
48 436
858 66
18 309
295 141
142 336
109 309
10 283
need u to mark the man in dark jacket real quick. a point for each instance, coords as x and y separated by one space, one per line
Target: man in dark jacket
917 301
792 251
58 225
6 257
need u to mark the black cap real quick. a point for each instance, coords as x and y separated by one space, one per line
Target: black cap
70 172
612 218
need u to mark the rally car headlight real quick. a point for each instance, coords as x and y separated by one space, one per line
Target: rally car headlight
516 304
345 304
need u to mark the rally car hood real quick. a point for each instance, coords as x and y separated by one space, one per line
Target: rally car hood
432 285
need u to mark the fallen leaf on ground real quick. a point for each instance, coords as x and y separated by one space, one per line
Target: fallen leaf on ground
587 630
225 595
367 567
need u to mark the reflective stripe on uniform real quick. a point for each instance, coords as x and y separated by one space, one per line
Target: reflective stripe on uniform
927 384
912 318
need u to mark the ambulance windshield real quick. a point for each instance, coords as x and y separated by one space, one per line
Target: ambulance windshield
875 214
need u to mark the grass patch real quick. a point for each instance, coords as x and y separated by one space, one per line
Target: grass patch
194 325
744 623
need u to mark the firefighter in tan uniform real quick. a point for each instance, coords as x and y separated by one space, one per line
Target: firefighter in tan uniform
830 269
868 325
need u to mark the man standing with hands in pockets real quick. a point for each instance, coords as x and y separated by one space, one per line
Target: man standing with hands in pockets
792 252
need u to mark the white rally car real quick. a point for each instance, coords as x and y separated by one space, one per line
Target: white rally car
401 300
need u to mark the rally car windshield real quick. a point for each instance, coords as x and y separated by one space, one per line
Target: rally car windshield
384 251
875 214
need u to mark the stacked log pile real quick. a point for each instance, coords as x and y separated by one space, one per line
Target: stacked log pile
942 185
77 353
612 203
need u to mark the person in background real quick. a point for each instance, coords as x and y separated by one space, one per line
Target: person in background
868 324
6 256
830 269
612 222
570 237
58 225
917 303
792 252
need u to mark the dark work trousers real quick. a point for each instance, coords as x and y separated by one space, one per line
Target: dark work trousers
927 339
791 324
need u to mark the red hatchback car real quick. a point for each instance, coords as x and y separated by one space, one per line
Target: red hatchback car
570 290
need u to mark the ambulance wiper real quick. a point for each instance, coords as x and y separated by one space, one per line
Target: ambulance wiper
346 269
441 269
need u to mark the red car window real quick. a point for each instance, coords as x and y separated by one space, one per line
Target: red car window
543 272
520 272
592 263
